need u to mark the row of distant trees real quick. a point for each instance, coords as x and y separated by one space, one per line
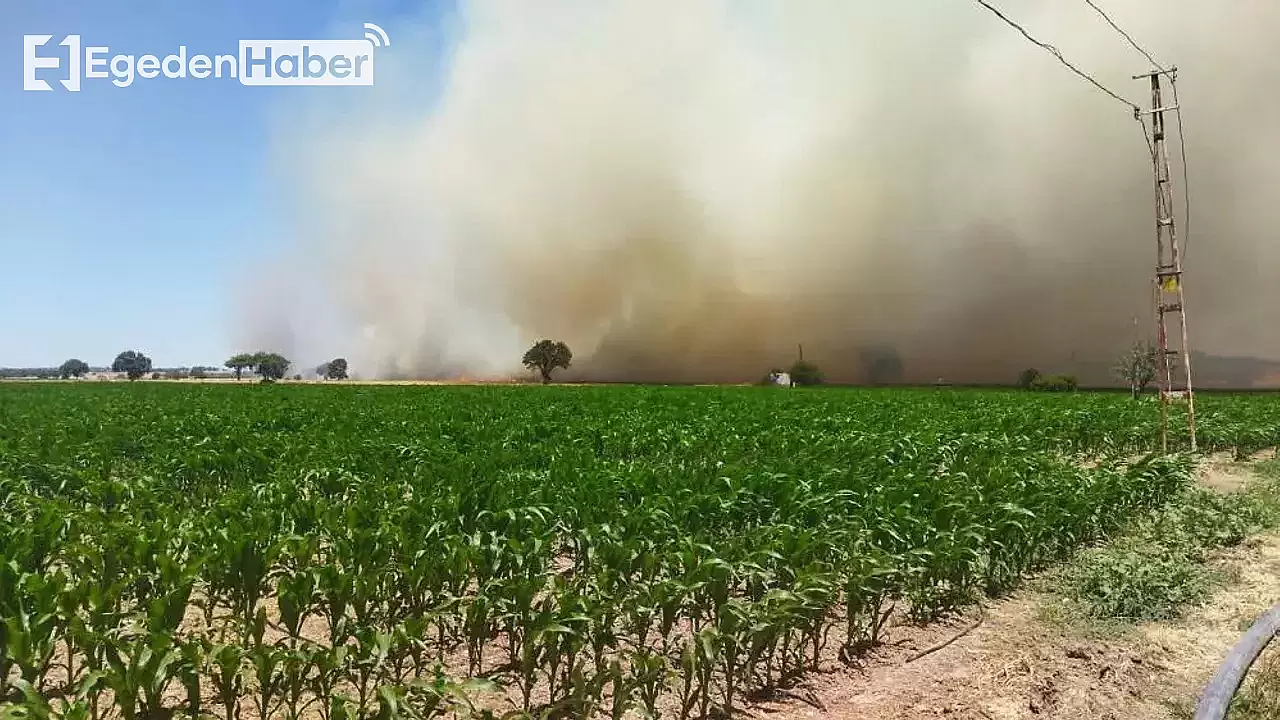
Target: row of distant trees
130 362
1136 368
269 366
546 356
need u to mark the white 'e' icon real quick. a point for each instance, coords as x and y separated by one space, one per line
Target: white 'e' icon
32 62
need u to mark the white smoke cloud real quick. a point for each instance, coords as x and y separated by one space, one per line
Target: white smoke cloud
685 190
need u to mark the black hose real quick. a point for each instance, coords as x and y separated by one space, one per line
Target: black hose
1222 688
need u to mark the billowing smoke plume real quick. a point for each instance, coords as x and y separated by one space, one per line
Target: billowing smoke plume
688 190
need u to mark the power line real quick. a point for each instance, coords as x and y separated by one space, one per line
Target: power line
1056 53
1182 138
1186 182
1125 35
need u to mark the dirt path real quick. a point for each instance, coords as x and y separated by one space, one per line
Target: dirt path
1020 662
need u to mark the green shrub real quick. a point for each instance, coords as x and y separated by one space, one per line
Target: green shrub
1027 378
1157 568
1055 383
1208 520
1136 580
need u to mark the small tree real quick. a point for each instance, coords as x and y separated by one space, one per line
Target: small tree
545 356
239 363
73 368
1027 378
1138 367
132 363
336 369
804 372
270 366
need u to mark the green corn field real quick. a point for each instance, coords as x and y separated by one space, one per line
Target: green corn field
414 552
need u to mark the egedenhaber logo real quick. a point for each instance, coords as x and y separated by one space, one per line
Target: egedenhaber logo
257 62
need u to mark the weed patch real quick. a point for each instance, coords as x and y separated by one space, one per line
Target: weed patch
1270 470
1135 580
1156 568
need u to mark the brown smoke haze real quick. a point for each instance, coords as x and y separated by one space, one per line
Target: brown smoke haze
684 190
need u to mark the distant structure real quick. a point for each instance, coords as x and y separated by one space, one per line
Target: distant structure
103 376
781 378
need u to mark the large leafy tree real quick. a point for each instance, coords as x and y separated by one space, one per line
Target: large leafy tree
336 369
73 368
239 363
547 355
269 366
132 363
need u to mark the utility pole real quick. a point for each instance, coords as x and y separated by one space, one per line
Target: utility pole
1167 289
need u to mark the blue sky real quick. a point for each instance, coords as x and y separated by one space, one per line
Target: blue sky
129 215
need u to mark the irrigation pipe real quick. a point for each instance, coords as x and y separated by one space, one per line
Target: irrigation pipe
1222 688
